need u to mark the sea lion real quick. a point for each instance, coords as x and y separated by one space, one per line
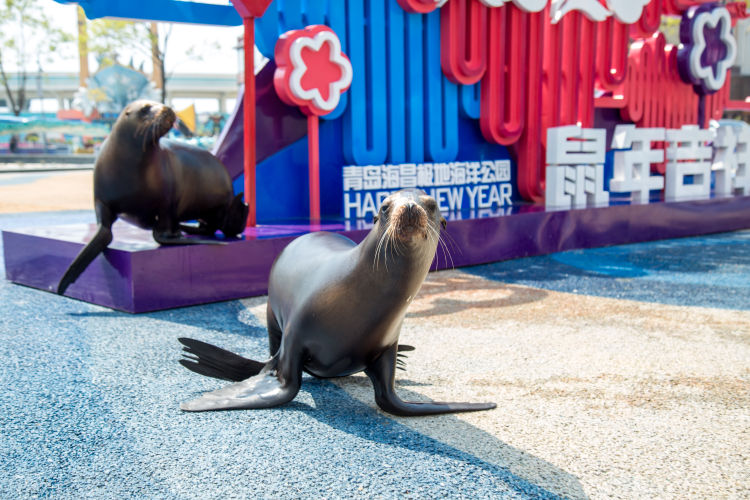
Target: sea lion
335 308
156 183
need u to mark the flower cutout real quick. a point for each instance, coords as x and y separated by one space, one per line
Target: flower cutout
312 72
708 48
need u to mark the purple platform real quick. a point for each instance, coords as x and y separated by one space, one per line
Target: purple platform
136 275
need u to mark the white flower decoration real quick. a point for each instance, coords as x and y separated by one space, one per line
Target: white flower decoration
712 80
336 87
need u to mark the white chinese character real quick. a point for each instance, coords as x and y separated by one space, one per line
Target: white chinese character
742 174
575 167
572 145
488 172
632 169
724 162
473 172
442 174
408 172
353 178
372 177
688 157
424 174
391 177
502 170
458 172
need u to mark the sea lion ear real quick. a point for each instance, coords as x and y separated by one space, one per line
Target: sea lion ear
375 219
443 222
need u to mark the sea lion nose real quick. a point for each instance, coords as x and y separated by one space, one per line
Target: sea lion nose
411 214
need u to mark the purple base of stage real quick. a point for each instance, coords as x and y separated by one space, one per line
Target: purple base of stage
136 275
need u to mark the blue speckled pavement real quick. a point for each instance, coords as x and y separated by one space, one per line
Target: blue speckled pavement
618 372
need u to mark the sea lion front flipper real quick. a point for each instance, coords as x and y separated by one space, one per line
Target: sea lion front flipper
276 384
103 237
202 229
382 375
402 348
216 362
176 238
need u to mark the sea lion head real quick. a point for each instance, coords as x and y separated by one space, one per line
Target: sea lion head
411 218
146 121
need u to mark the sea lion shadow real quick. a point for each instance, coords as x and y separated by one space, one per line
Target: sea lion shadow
222 317
451 292
518 470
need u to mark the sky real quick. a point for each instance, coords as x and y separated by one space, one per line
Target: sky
216 46
183 36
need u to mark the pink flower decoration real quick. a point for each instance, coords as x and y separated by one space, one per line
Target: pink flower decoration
311 70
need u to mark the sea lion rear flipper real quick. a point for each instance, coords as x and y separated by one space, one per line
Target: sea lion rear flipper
276 384
98 243
236 216
216 362
382 372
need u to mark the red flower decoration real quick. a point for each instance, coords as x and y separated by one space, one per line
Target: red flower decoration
311 70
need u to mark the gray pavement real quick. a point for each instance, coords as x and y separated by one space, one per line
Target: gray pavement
618 373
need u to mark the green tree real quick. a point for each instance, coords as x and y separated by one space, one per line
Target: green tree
108 37
27 37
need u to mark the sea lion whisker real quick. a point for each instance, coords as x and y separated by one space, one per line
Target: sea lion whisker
377 250
452 241
155 133
434 239
384 240
446 251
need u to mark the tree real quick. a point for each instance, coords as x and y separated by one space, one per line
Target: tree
108 37
27 36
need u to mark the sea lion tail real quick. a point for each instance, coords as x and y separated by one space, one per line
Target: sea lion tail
215 362
236 216
98 243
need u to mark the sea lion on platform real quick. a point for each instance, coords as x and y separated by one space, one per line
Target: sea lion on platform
335 308
157 184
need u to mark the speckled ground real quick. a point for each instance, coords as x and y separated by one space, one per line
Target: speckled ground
618 373
42 192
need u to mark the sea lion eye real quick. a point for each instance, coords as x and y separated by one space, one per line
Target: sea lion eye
145 109
385 208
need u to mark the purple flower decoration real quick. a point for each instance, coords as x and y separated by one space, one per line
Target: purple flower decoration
708 48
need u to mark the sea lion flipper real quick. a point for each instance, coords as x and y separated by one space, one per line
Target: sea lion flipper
216 362
236 216
177 238
94 247
202 229
273 386
382 375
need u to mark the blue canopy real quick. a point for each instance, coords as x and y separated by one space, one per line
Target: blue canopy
178 11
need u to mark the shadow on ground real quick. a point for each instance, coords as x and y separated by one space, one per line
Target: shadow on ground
708 271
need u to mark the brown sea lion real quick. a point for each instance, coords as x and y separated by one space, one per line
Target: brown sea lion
335 308
157 184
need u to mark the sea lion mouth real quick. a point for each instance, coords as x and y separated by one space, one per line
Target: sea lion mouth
408 222
155 121
164 120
